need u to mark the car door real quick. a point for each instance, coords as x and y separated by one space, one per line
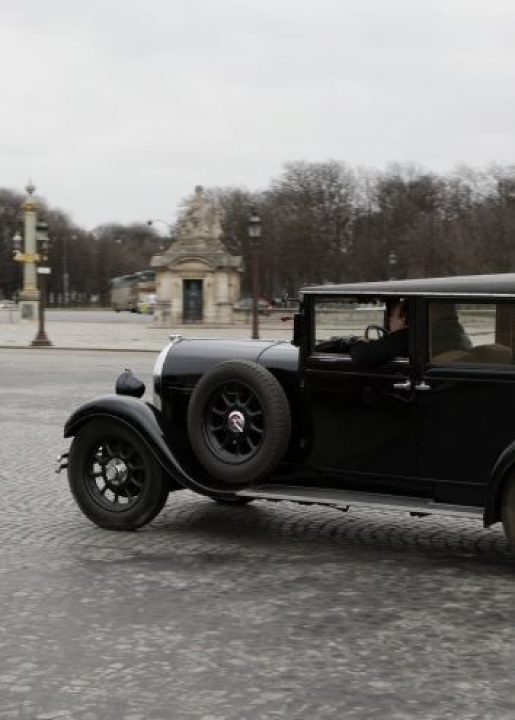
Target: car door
466 398
361 418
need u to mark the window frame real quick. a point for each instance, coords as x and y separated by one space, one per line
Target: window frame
428 362
344 360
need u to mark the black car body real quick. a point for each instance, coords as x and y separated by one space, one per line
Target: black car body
433 431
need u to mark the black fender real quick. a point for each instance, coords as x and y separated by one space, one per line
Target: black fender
500 472
146 421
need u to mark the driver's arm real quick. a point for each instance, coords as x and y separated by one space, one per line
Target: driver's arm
377 352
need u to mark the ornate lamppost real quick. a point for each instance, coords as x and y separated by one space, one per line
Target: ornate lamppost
40 243
29 295
254 231
41 339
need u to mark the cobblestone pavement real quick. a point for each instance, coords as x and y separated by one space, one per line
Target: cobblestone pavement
221 613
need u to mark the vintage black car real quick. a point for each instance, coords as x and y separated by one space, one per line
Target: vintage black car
431 430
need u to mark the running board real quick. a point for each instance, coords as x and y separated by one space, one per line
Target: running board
345 498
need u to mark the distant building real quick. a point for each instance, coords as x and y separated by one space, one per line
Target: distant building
197 280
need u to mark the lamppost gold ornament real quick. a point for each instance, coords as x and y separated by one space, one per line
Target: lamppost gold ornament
21 257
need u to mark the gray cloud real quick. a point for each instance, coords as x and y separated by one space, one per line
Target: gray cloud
117 110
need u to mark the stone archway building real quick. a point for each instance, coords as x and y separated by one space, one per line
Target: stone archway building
197 280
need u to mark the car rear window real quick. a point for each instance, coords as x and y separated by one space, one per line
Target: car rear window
464 332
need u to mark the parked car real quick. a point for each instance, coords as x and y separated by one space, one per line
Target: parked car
147 303
264 307
432 431
8 305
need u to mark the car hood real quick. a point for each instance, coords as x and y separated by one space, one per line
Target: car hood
191 358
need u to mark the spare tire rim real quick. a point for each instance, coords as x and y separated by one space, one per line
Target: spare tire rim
115 475
234 423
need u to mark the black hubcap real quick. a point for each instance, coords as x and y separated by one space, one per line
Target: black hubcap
115 474
234 423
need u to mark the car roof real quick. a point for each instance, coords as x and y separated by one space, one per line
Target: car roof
469 285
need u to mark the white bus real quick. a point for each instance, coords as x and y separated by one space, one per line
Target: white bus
128 292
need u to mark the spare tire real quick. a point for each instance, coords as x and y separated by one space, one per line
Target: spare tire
239 422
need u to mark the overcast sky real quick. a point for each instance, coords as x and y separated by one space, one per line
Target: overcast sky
116 110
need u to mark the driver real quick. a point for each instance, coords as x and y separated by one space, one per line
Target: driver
395 343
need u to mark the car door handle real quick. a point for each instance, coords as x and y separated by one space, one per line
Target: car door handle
402 385
422 386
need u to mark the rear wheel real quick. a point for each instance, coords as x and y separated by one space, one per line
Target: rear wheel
113 476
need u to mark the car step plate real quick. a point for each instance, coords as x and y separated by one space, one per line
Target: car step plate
345 498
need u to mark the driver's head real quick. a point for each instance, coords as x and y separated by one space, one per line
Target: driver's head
398 316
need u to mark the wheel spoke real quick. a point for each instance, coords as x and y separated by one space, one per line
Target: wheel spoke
252 445
256 429
125 462
254 413
227 400
226 441
234 447
108 449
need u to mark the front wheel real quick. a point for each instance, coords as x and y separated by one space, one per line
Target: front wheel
113 476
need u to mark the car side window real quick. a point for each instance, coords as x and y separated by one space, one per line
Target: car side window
471 333
338 320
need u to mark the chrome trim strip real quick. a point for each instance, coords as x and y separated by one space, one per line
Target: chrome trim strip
158 365
157 372
345 498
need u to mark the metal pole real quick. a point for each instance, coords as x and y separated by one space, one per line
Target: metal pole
254 234
65 271
255 291
41 339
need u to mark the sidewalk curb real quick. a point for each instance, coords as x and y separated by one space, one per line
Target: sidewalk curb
80 349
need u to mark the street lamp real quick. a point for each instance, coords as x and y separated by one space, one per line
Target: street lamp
169 227
17 244
66 273
41 339
392 265
40 237
254 232
152 221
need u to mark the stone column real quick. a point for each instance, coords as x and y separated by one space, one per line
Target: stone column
29 296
